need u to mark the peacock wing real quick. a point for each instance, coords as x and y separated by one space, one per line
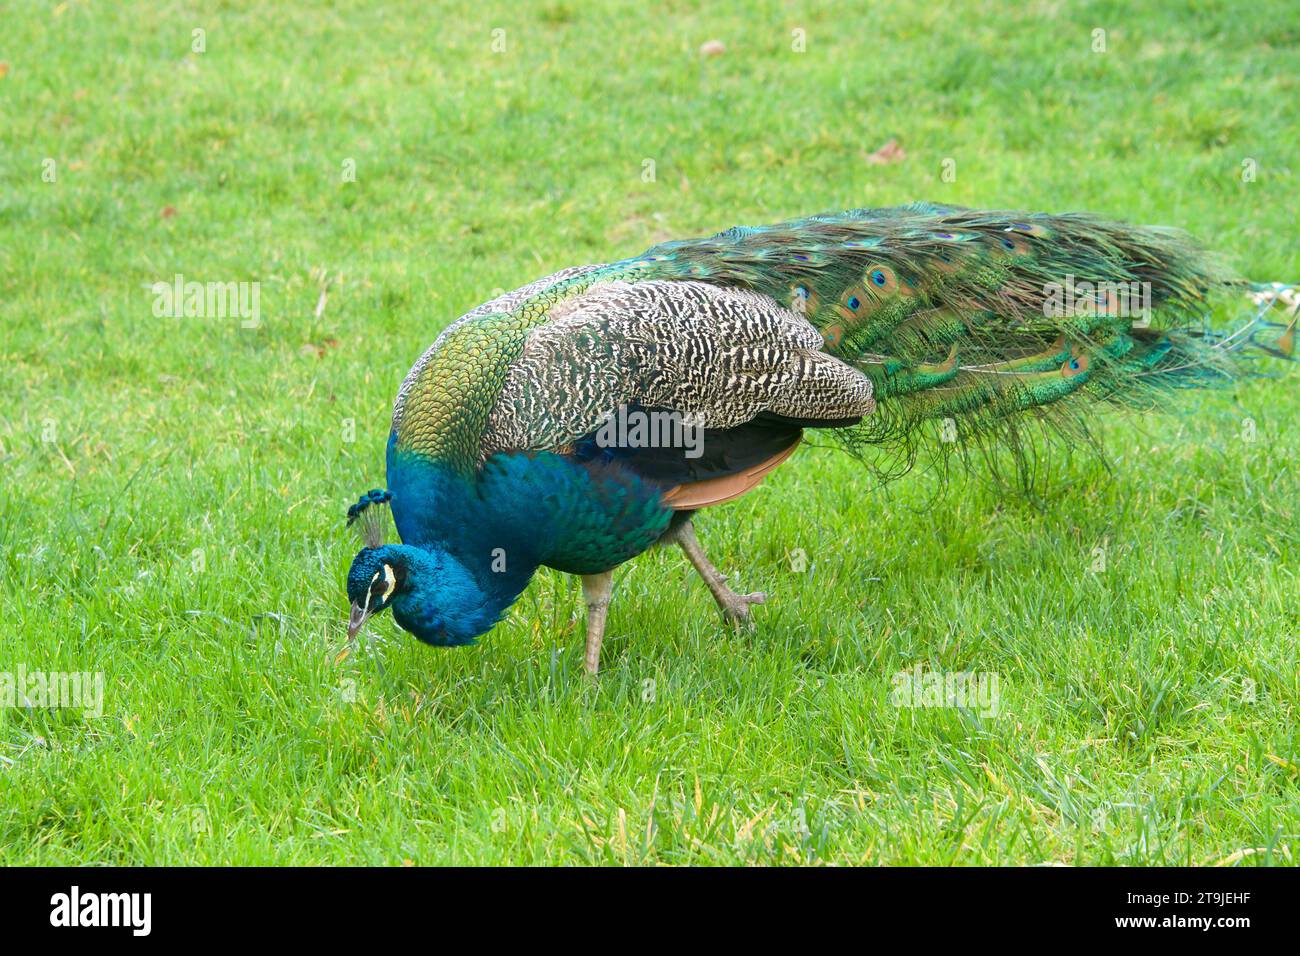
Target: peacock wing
742 373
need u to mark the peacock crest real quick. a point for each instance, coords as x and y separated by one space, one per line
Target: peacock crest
369 516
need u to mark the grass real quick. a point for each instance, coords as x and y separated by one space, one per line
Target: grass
174 489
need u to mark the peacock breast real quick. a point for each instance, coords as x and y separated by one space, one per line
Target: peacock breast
580 517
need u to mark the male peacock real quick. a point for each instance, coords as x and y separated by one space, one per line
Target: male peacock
525 436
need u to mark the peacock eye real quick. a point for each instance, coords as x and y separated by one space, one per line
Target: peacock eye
383 584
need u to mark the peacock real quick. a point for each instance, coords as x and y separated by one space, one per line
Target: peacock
587 416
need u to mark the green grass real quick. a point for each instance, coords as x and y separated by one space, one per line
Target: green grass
173 489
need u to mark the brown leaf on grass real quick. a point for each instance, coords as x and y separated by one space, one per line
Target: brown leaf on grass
168 212
311 348
891 152
712 48
4 69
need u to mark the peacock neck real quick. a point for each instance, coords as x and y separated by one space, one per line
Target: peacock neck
521 510
435 506
443 602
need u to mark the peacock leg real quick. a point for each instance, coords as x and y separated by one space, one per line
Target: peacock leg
734 607
596 589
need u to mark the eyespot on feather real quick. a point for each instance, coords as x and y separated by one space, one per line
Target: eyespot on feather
880 280
853 302
1076 366
1028 229
1009 243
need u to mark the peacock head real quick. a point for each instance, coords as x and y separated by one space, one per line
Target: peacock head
431 593
376 577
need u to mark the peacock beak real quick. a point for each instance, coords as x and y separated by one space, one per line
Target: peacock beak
357 620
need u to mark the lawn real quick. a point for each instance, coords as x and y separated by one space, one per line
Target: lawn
173 495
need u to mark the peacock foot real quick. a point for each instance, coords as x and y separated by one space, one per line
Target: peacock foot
735 607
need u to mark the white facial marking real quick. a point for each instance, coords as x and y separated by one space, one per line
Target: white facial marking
391 580
366 607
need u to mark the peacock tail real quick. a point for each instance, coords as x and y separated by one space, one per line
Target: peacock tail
874 322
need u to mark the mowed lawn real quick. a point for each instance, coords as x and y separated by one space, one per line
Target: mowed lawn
173 491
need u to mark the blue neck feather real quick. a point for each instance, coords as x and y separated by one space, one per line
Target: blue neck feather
466 560
476 542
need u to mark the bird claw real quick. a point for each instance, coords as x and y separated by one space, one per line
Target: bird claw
735 610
